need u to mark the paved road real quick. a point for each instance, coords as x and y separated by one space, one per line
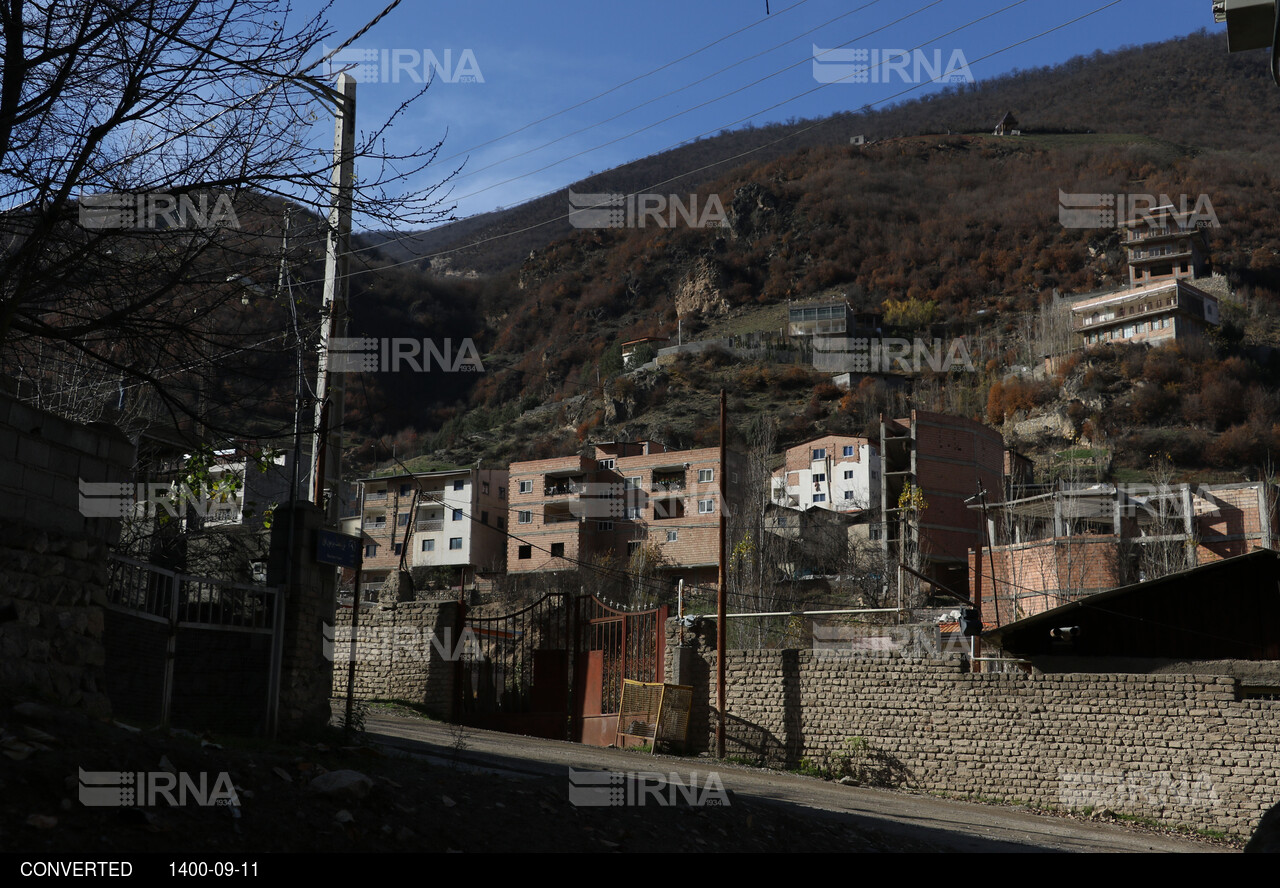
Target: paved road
961 825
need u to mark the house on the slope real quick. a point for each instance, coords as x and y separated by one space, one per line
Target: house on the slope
932 464
1162 312
625 495
454 521
840 473
1007 126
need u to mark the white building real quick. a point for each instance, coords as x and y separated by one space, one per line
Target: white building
837 472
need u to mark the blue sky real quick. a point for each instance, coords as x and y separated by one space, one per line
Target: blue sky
507 65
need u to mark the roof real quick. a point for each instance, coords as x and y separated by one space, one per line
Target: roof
1227 609
1150 289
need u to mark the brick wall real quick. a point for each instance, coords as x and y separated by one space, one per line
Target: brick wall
1182 749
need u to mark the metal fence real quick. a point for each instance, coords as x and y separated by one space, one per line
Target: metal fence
209 643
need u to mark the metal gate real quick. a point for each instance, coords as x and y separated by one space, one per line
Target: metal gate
555 668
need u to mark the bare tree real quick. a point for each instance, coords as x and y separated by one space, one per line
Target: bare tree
142 144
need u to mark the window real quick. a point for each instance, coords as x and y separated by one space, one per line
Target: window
672 535
819 497
404 489
428 545
524 517
484 518
457 514
606 463
604 525
706 506
819 477
848 494
370 550
632 483
633 546
502 524
402 519
848 450
458 485
635 513
875 532
526 552
455 543
397 549
705 475
380 521
502 493
820 453
848 474
526 487
557 550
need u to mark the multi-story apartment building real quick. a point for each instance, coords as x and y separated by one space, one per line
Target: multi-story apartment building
576 509
932 463
1164 245
838 472
257 491
1166 251
1158 312
454 519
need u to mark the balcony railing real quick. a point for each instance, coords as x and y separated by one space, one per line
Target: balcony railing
429 526
564 488
665 484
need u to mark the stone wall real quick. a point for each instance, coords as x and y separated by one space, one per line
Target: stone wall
53 566
1187 749
405 651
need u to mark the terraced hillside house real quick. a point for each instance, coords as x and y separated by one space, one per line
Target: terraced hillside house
619 497
840 473
454 520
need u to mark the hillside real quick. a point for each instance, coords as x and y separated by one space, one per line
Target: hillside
956 229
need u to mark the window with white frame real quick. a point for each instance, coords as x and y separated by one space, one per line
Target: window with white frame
672 535
705 475
848 450
819 477
706 506
819 497
604 525
525 517
526 487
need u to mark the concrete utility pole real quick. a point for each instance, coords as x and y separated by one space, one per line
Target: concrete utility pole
722 593
326 444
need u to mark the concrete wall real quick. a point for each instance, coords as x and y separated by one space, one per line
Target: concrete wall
1184 749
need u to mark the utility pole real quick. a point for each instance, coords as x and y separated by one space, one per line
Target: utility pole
326 449
721 594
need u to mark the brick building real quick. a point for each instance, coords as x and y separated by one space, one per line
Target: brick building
459 523
947 459
1060 546
626 494
840 473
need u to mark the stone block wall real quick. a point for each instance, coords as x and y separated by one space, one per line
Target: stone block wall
404 651
1186 749
53 560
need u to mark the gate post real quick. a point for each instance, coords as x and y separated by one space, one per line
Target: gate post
309 589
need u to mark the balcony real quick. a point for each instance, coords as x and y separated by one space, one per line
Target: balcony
571 487
429 526
669 483
372 496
